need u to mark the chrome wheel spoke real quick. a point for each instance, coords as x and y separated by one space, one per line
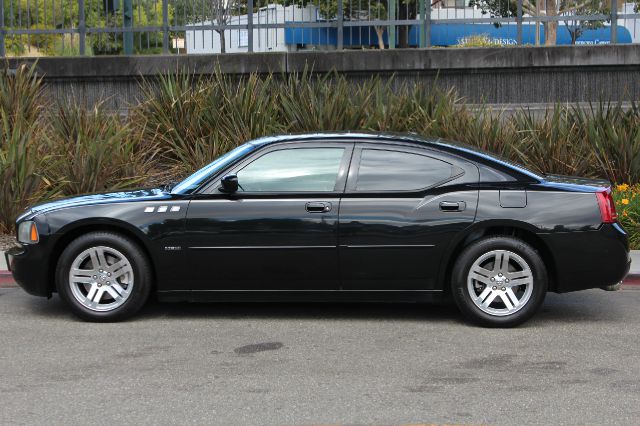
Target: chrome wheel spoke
82 276
481 274
484 294
113 293
502 261
505 300
95 300
92 292
121 291
512 297
101 278
489 299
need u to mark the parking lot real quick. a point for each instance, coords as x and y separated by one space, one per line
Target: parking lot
576 362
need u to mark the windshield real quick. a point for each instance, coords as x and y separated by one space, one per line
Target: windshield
191 183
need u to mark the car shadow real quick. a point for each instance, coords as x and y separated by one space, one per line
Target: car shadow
576 307
298 311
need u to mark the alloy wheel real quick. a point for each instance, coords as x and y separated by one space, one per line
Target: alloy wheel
101 278
500 282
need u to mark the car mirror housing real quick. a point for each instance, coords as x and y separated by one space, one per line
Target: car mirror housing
229 184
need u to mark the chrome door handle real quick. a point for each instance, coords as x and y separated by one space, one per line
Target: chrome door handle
318 207
452 206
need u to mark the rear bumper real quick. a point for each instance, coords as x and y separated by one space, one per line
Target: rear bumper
29 267
588 259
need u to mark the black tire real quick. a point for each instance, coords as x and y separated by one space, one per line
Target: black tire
140 266
462 294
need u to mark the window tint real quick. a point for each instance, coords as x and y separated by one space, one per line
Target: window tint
293 170
399 171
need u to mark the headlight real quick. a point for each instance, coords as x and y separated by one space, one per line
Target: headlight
28 232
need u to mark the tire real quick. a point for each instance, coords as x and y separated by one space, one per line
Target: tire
113 291
504 294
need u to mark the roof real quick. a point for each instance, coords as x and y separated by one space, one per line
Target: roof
384 136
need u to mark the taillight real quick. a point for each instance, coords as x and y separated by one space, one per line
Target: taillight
607 206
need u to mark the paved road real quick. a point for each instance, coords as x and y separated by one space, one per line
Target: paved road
577 362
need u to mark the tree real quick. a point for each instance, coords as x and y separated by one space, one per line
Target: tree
218 12
577 27
496 8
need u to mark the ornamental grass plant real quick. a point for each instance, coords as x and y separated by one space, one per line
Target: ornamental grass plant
184 121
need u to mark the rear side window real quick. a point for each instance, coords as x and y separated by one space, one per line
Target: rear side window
383 170
293 170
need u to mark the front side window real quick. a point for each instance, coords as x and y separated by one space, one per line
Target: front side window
383 170
293 170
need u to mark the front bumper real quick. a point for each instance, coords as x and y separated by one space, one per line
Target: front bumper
29 267
589 259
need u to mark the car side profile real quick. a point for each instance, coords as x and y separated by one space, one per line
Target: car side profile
330 217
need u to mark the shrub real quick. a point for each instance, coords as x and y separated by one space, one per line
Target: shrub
98 151
23 158
627 198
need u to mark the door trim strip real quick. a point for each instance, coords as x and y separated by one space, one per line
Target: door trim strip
260 247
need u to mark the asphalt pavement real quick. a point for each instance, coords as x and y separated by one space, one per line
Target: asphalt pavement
576 362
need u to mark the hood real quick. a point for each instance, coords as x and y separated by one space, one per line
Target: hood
577 183
92 199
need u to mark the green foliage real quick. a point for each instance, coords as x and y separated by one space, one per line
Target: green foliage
97 151
22 130
29 14
627 199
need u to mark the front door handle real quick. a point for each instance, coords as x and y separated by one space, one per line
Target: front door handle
318 207
452 206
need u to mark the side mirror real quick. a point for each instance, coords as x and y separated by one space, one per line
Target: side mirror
229 184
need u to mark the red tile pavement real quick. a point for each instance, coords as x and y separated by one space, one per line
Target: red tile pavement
6 280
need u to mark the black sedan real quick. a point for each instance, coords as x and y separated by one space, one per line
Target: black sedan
330 217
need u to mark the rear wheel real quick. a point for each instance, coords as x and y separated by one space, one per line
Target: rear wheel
103 276
499 282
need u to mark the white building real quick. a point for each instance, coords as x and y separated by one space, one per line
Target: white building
237 40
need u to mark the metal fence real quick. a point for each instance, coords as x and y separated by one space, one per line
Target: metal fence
95 27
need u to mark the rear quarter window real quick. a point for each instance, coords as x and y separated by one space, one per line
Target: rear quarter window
386 170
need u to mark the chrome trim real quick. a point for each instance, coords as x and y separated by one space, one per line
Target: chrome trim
303 291
258 247
387 245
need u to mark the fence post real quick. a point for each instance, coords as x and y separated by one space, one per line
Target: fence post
165 26
392 27
250 25
340 22
2 48
127 23
427 23
82 27
423 27
519 22
614 21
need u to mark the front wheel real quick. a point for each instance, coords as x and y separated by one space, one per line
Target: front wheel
103 276
499 282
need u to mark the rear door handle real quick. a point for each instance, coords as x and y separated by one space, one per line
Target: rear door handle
452 206
318 207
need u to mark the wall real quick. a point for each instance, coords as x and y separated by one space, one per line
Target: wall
512 76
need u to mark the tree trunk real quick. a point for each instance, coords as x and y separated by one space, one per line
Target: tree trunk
403 37
223 47
551 27
380 33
